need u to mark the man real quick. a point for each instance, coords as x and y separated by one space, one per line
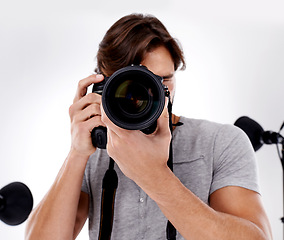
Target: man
212 192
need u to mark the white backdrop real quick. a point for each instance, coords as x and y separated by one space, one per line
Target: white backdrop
235 57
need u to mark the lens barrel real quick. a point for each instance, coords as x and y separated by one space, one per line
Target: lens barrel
133 98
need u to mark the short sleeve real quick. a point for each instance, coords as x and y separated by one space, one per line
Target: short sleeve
234 160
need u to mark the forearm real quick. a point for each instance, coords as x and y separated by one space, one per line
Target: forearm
193 218
54 217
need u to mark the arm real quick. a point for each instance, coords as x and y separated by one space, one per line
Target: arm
242 203
62 212
82 213
234 213
55 216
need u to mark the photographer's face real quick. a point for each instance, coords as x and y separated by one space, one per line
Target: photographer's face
160 62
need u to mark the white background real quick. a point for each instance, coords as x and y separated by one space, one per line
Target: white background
235 57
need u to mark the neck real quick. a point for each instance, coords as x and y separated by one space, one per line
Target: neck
175 120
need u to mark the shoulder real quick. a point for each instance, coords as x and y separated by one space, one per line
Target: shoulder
205 128
219 142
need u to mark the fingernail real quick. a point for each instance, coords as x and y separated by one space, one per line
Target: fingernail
99 77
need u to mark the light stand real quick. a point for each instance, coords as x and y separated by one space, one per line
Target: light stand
282 162
258 137
281 157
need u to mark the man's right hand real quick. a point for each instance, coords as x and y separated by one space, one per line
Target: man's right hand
85 114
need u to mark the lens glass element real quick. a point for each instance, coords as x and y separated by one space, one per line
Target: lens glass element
133 98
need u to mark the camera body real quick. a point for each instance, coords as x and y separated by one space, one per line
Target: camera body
133 98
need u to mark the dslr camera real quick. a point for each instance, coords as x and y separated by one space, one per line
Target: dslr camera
133 98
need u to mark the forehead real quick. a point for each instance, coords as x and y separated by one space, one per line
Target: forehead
159 61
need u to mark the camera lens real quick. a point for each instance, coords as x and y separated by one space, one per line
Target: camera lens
133 98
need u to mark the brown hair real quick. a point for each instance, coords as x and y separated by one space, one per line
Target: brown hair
130 38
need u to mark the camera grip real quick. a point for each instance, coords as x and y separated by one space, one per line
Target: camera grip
99 137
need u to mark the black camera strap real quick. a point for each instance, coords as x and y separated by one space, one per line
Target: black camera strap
110 183
109 186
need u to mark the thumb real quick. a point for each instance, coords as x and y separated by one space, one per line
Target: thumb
163 121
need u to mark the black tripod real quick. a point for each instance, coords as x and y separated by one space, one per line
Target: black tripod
280 141
281 156
258 137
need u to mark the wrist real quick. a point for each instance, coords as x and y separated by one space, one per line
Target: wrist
77 157
155 185
78 152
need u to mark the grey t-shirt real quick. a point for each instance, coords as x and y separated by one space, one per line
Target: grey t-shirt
207 156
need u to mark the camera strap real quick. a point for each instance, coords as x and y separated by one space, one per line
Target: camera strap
109 186
110 183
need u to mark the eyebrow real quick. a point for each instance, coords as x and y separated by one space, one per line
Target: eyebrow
168 76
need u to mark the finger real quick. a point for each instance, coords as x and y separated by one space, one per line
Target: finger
110 137
84 102
163 121
85 83
88 112
93 122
